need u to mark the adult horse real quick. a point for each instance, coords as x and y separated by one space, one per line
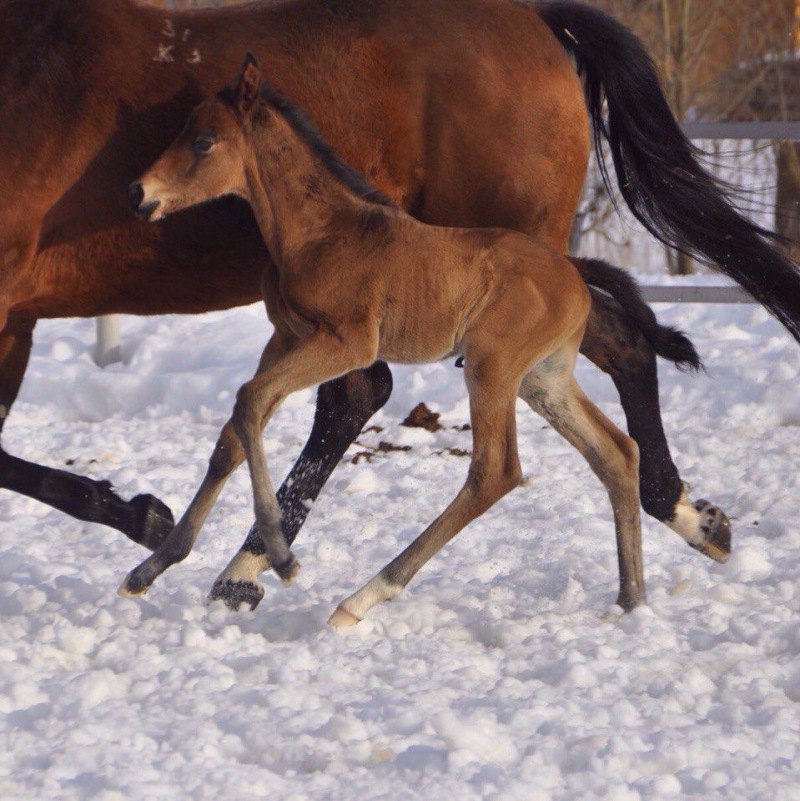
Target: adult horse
465 112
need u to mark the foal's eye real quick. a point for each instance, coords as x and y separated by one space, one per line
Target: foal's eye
202 145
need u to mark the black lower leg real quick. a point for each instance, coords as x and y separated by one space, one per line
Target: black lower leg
144 519
660 484
343 408
617 347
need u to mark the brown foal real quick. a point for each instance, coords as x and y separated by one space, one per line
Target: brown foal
353 279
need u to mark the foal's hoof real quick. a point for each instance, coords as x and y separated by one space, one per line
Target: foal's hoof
236 594
152 521
288 570
716 528
629 601
342 618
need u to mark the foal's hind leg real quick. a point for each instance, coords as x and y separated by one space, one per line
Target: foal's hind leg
493 472
343 407
612 455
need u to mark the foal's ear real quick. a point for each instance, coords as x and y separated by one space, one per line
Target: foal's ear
245 92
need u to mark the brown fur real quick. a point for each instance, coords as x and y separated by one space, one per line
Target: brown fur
69 247
341 297
410 94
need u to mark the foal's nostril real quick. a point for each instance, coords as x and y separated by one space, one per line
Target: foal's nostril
145 212
135 196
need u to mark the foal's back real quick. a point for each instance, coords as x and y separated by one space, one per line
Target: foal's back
430 287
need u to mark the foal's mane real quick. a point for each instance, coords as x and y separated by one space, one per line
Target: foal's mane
299 122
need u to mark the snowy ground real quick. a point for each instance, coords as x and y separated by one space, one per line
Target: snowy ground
494 676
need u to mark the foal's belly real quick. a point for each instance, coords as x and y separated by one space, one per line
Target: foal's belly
411 339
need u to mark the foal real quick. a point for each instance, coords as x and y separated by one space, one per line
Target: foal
354 280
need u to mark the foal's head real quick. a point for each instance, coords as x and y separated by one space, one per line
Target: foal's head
207 160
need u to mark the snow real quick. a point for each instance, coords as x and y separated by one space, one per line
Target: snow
498 674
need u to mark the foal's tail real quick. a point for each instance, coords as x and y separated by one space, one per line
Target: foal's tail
658 174
667 342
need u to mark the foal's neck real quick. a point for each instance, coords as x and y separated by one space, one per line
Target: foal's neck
294 196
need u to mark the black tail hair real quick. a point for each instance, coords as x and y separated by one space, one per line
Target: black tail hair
658 173
667 342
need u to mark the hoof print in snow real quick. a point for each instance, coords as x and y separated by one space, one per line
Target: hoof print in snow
236 594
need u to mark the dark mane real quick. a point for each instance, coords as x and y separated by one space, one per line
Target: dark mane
306 130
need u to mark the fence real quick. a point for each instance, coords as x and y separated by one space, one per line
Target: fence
109 345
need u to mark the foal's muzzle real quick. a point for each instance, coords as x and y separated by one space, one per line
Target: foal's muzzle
135 198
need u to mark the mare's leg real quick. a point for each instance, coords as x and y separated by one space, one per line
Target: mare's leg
612 455
618 348
494 471
144 519
343 408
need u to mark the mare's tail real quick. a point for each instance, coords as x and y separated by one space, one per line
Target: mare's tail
658 173
667 342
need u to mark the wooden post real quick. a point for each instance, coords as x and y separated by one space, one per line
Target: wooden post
796 27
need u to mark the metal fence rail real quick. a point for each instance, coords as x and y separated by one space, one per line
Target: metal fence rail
696 294
777 131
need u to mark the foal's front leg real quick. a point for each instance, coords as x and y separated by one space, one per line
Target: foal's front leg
320 358
227 456
343 408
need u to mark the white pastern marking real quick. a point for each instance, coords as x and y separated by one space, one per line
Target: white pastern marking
686 522
169 29
373 592
245 566
164 54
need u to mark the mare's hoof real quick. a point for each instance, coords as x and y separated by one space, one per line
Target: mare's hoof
716 528
152 521
133 586
288 570
342 618
236 594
